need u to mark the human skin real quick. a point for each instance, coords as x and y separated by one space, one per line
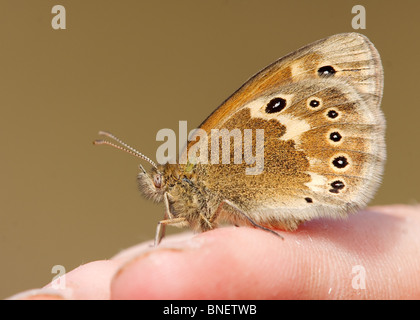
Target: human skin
374 254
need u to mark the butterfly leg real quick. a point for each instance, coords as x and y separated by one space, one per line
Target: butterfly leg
243 214
168 218
162 225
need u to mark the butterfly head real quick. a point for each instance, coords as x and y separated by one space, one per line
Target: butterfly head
152 184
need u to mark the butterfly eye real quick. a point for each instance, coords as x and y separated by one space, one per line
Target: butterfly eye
326 71
275 105
157 180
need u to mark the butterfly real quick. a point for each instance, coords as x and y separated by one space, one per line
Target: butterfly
323 145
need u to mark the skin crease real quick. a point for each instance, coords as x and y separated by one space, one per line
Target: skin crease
323 259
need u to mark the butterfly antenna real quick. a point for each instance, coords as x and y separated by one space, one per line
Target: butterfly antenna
124 147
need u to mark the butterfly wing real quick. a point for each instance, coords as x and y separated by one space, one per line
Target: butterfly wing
324 147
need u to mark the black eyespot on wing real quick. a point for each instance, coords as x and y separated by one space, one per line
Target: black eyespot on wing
340 162
275 105
314 103
309 200
332 114
335 136
326 71
337 185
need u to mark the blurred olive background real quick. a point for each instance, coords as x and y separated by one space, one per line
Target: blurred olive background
133 68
